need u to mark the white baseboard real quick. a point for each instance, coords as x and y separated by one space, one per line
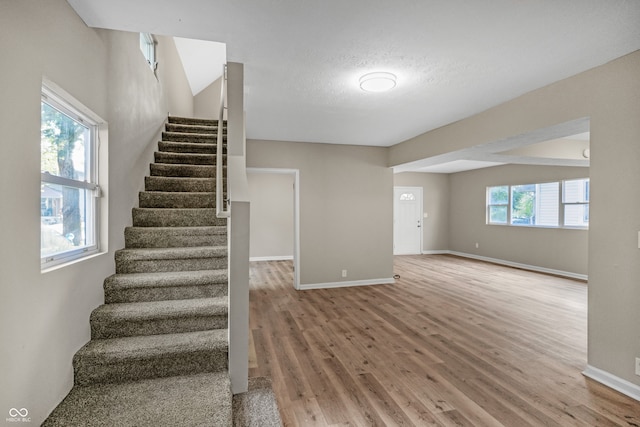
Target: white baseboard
271 258
522 266
436 252
603 377
345 284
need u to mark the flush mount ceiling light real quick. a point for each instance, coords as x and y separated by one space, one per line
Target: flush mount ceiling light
377 82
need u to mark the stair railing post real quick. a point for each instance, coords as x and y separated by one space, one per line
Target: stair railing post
238 231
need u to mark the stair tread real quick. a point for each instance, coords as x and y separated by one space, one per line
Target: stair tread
186 128
182 119
185 155
113 350
206 135
172 253
161 309
207 229
180 179
168 278
200 399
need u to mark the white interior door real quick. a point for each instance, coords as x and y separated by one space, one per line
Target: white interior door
407 220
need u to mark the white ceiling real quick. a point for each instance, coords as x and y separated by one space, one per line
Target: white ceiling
202 61
453 58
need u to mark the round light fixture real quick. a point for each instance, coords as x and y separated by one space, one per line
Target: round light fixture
377 82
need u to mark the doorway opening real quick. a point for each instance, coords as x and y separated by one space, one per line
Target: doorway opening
275 216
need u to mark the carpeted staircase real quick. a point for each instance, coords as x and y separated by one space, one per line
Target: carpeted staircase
158 354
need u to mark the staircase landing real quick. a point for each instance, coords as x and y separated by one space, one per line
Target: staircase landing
174 401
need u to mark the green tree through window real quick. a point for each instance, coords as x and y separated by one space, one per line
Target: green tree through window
62 141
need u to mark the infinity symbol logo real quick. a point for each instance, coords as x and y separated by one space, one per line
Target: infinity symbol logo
13 412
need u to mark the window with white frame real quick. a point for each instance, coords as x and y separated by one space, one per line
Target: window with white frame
575 201
148 48
498 204
68 181
535 204
550 204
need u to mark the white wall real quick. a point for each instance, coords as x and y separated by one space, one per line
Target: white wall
272 207
345 207
44 318
206 103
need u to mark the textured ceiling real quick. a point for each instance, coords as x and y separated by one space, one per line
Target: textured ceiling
453 58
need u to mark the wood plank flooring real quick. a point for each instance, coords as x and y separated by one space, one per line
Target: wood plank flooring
455 342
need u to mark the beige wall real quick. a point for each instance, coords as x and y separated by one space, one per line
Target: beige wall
610 96
551 248
206 104
435 201
345 207
44 318
271 198
174 83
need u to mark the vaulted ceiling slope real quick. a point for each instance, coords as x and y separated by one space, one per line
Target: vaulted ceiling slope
452 58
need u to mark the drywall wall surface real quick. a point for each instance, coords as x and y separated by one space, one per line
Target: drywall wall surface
346 208
271 197
564 250
171 74
137 112
44 318
206 103
139 100
610 96
435 201
614 257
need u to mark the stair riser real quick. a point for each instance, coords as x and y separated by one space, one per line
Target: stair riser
174 127
93 371
189 264
193 138
186 171
176 200
108 328
193 121
175 218
184 159
173 147
164 293
155 183
139 240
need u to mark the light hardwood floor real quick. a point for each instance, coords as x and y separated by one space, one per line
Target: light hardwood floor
453 342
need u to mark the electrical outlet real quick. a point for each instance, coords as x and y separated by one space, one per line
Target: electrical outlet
477 245
638 366
344 273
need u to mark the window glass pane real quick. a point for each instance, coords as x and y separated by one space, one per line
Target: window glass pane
576 215
498 214
66 218
499 195
523 199
576 191
535 204
407 197
62 144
